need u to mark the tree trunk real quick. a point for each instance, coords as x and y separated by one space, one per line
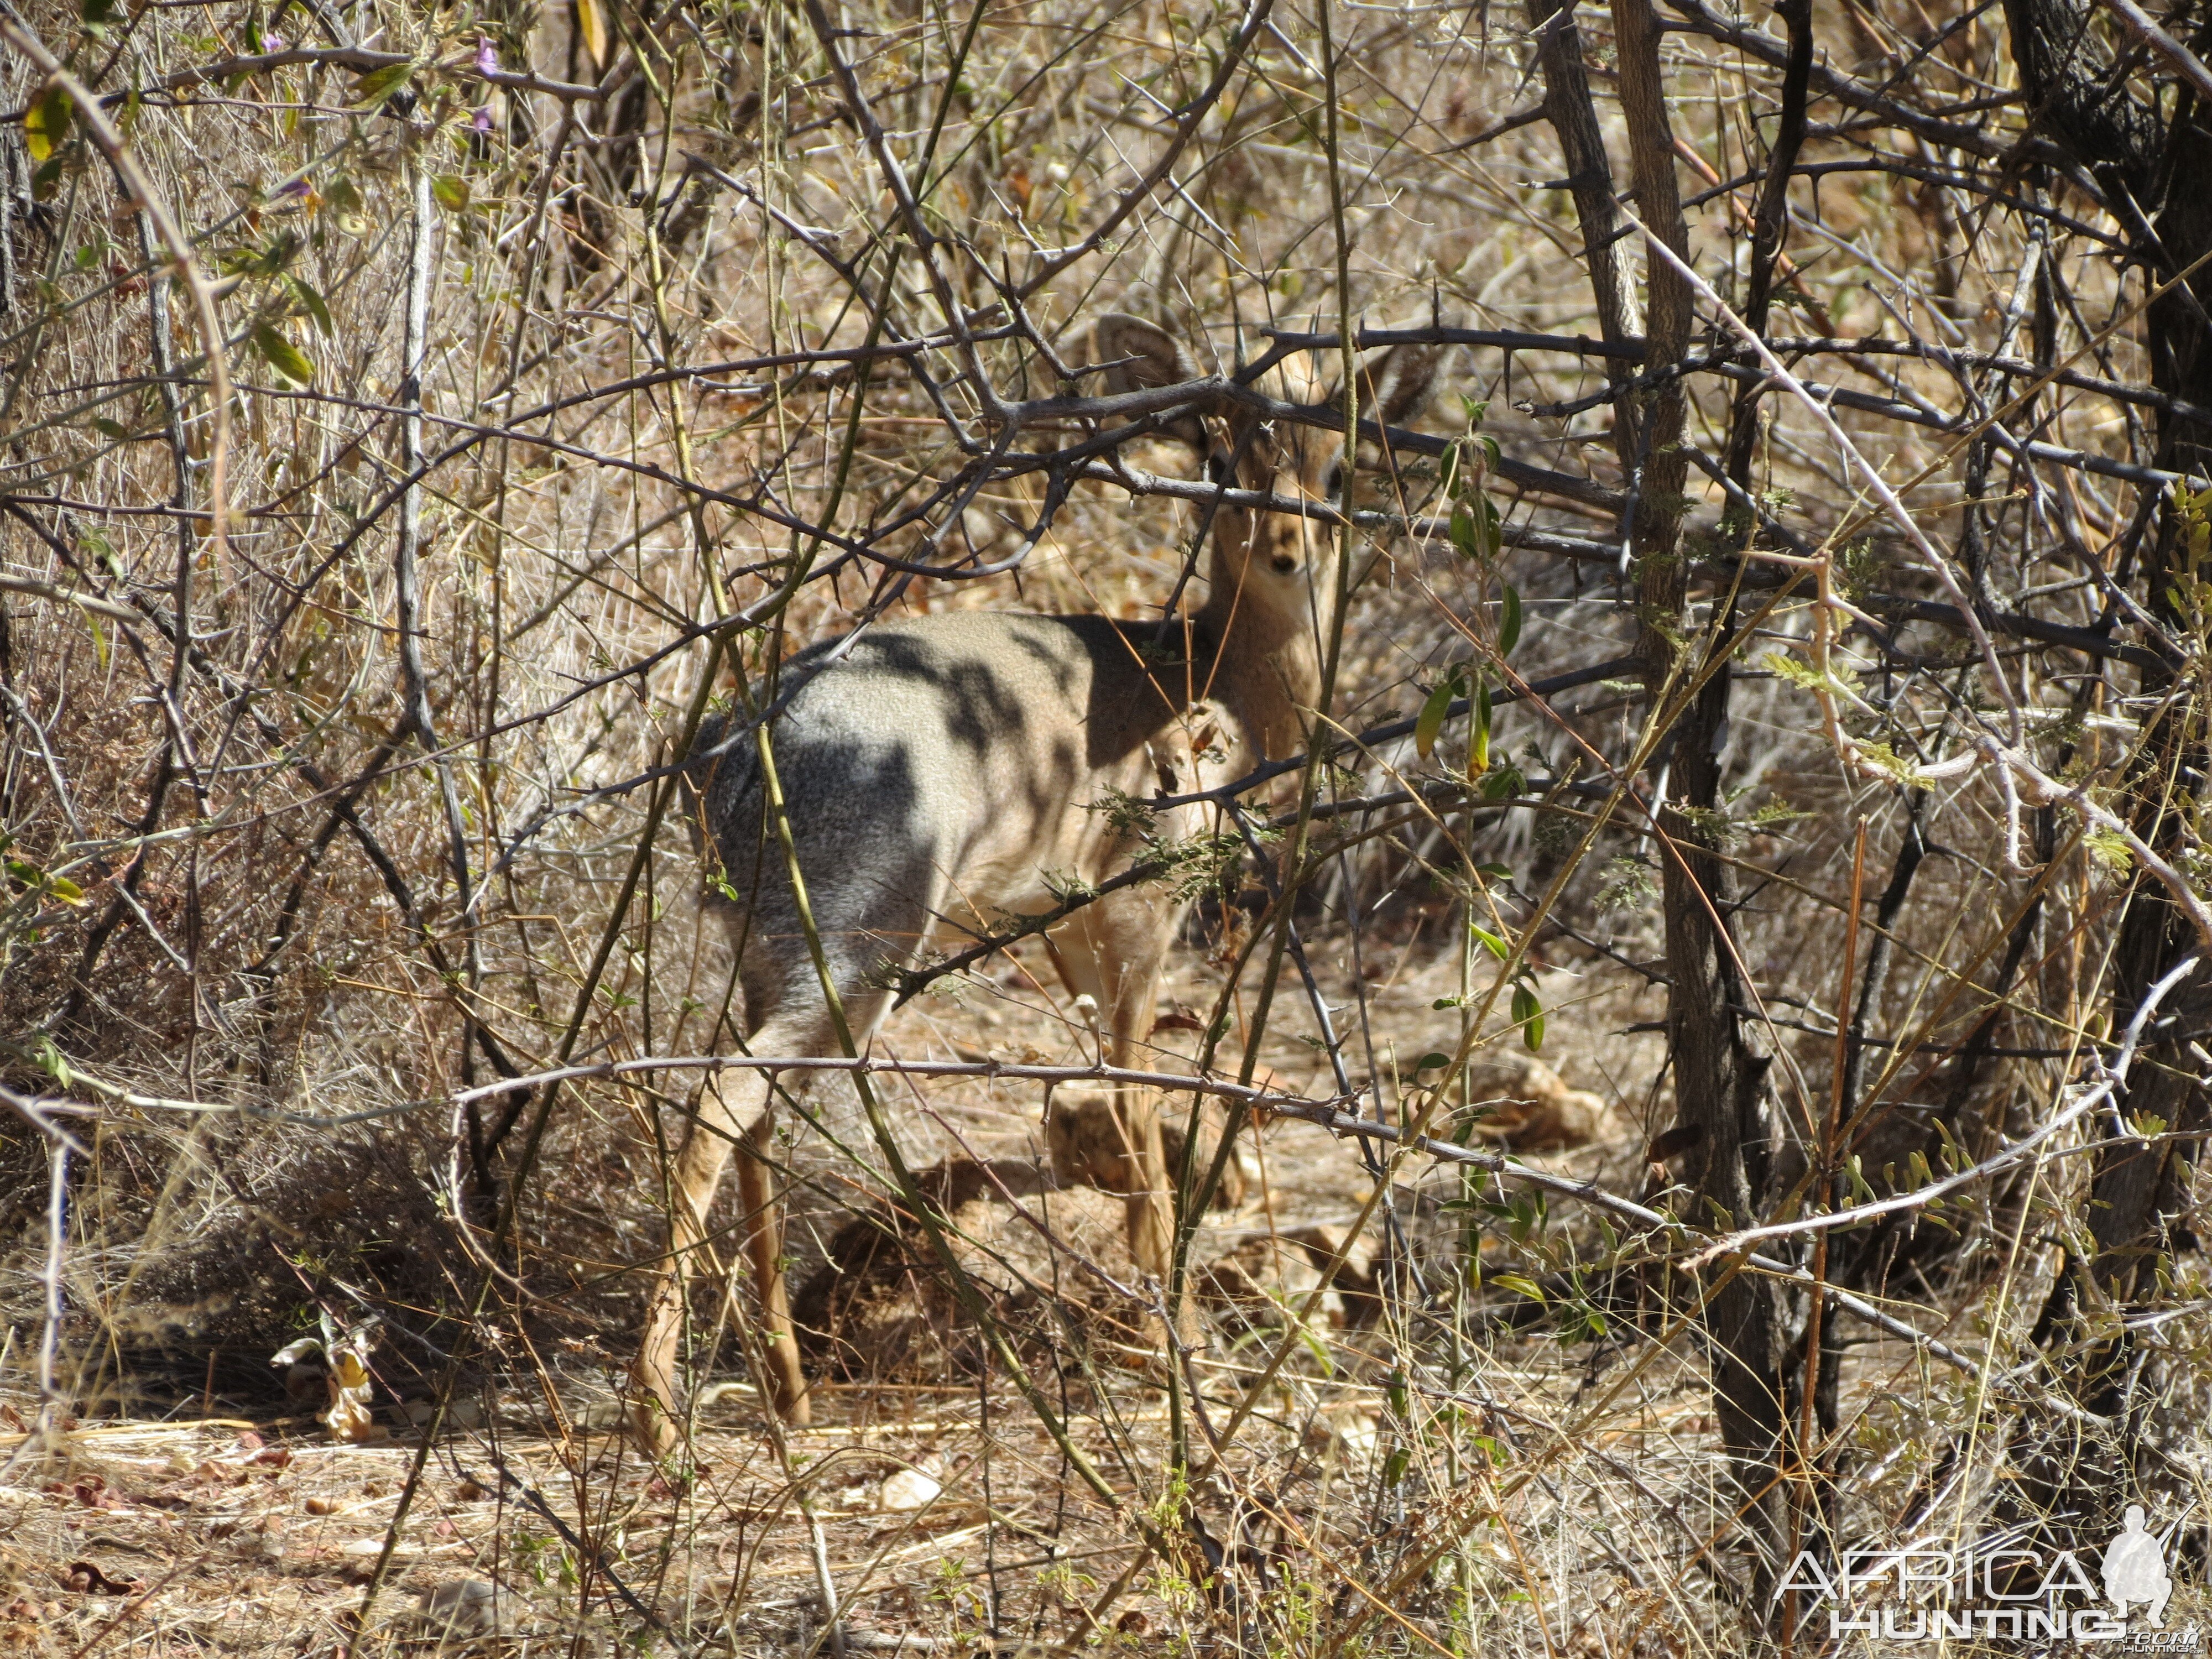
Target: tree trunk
2138 1187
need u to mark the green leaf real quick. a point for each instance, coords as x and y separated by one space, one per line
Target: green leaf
108 428
50 1059
98 14
46 123
1509 621
1490 941
451 191
313 305
283 356
59 887
1433 711
1464 535
1520 1285
1528 1014
373 88
1431 1062
1478 745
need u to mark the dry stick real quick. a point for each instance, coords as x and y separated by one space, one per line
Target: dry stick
176 744
50 1334
758 1358
1715 1063
407 544
1955 358
1321 747
1413 1135
1322 1115
1573 117
364 61
527 1162
148 203
1587 1192
2146 28
1188 121
924 240
1770 225
1280 914
1808 1376
2116 1076
1756 43
917 1203
1415 1569
2010 760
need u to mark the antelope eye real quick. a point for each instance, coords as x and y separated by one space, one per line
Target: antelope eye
1332 484
1217 468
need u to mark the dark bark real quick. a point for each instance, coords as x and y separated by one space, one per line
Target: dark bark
1573 119
1719 1076
1752 1328
1770 223
2138 1189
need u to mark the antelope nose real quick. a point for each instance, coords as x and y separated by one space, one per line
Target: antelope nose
1285 563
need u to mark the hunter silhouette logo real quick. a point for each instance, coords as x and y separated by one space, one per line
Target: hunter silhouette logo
1995 1588
2135 1568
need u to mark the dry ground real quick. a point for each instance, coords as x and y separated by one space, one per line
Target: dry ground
238 1533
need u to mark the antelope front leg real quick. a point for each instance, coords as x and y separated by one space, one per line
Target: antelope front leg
697 1175
787 1383
1151 1197
1112 953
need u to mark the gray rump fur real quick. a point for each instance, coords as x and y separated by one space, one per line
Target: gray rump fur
950 750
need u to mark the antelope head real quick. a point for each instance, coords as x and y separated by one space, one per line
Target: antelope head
1270 575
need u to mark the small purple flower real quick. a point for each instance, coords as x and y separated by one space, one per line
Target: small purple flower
275 43
292 190
487 56
481 121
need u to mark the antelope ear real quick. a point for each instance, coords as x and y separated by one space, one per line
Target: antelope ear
1403 380
1137 356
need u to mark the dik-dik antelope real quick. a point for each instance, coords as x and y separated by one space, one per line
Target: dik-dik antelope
943 771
